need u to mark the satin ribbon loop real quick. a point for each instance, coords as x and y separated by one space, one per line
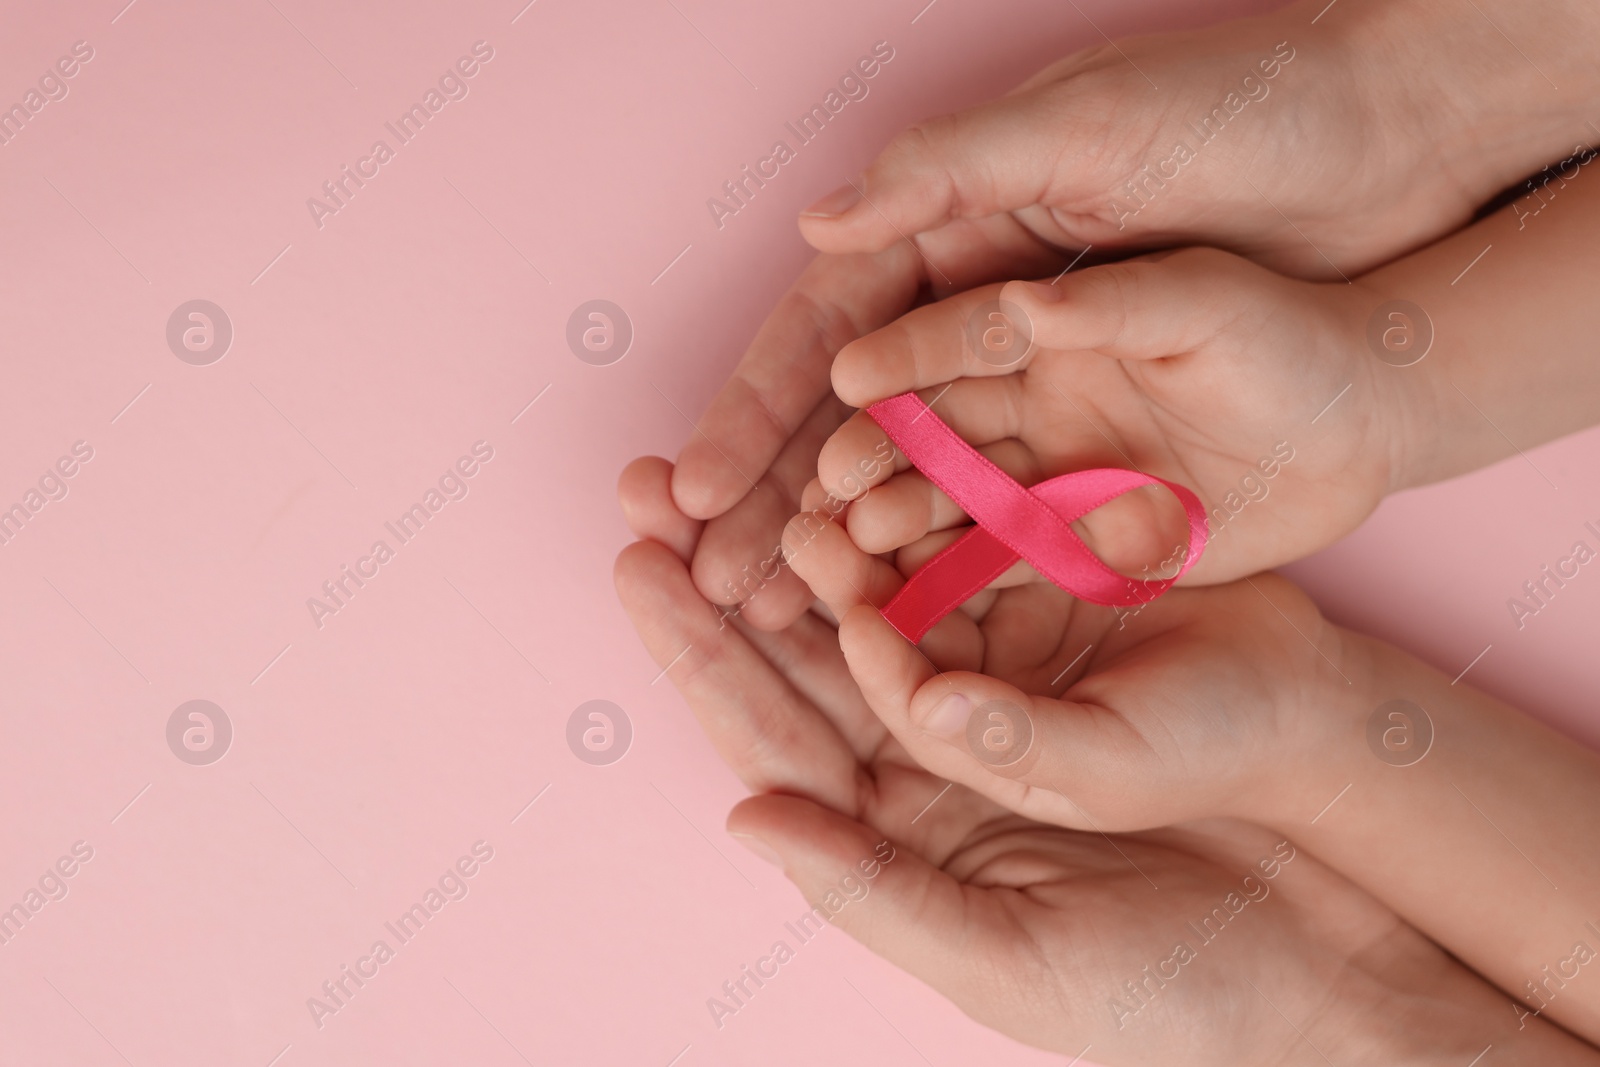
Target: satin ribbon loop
1013 523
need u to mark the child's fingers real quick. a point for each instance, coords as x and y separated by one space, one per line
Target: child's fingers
1036 756
843 577
900 512
931 345
909 505
981 411
1139 309
857 457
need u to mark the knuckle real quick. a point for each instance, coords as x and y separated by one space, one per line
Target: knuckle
922 152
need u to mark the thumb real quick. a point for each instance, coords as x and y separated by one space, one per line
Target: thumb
1039 757
975 163
879 892
1143 308
970 728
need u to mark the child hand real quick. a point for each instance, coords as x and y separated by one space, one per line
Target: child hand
1195 705
1241 700
1052 936
1255 391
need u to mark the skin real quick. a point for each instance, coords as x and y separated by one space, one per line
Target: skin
1197 366
1496 125
1315 172
1241 701
1392 122
1248 704
1029 927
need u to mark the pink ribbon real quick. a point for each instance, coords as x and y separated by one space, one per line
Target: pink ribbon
1012 523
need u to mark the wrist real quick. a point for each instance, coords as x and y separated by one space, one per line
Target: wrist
1327 706
1419 421
1482 95
1379 334
1351 728
1405 1002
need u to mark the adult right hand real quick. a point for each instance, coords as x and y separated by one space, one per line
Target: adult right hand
1393 120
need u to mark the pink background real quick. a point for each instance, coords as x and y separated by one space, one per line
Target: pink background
370 753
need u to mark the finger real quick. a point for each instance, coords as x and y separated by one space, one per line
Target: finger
856 457
844 577
1139 534
784 373
979 162
644 489
1037 756
880 892
972 252
761 726
739 560
860 455
806 652
820 552
909 506
929 346
900 512
1147 308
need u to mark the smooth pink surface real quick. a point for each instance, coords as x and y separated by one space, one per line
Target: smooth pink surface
424 716
1436 570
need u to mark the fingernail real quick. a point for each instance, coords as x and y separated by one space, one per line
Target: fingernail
949 717
759 847
835 203
1043 292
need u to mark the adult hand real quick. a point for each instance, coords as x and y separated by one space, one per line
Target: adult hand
1068 941
756 446
1318 142
1344 157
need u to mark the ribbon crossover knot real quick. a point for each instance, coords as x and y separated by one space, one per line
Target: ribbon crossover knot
1012 523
